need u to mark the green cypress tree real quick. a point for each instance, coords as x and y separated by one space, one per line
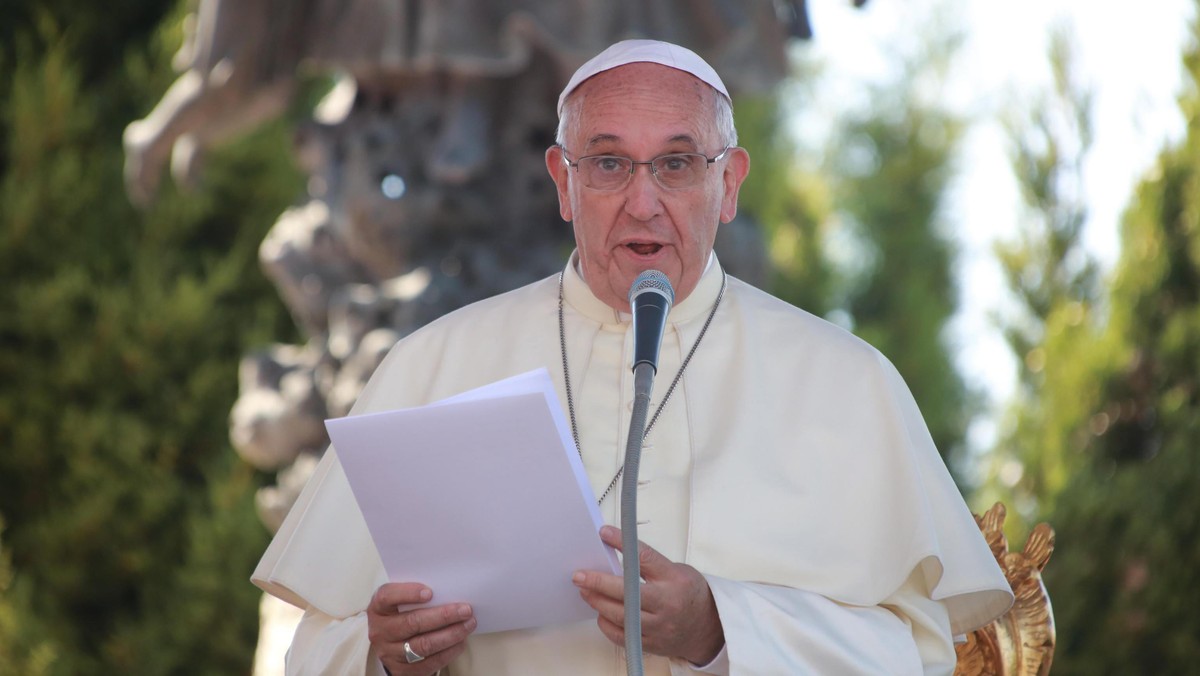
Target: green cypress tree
1057 284
21 652
879 184
892 165
130 524
1123 579
790 203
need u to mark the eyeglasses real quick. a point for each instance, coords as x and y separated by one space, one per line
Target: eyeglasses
674 171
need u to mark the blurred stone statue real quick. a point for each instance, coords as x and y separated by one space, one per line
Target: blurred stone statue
240 60
427 185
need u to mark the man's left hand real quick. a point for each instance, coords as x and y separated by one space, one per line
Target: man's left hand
679 615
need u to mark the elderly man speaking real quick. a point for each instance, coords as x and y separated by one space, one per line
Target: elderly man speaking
795 517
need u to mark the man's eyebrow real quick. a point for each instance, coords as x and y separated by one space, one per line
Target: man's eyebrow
613 138
684 138
601 138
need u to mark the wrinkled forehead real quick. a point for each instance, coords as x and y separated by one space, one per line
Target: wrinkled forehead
645 102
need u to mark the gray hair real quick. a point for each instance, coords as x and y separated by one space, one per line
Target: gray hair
723 108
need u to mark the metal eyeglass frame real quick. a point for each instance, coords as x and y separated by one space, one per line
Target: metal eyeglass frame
633 165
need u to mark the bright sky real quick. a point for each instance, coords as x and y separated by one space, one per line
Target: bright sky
1130 53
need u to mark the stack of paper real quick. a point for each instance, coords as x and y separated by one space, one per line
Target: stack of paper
483 498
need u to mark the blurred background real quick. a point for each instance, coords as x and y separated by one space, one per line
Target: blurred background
1004 199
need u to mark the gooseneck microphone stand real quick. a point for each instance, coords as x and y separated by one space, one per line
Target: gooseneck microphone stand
650 300
643 381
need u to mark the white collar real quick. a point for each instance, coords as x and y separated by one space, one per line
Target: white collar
579 296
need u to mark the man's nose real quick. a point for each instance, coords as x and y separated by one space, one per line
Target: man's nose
642 193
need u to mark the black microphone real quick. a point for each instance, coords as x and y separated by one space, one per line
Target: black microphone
650 299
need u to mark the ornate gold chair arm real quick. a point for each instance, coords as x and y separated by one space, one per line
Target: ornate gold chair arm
1021 642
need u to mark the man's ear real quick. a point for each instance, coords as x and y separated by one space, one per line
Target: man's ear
737 166
558 172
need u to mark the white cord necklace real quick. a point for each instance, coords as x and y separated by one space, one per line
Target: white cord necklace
562 344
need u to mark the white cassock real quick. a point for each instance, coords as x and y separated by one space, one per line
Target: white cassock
791 467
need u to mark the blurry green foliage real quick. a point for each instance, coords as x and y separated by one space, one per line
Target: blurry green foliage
21 650
130 523
854 230
1114 410
892 166
792 205
1058 287
1125 579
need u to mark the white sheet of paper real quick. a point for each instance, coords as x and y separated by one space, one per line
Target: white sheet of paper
483 498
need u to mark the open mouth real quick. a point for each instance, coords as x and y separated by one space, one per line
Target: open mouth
644 248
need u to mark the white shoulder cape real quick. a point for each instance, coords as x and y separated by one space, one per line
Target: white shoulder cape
812 466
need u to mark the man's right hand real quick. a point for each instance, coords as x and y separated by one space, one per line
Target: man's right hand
437 633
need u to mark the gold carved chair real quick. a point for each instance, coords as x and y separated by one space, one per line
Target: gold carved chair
1021 642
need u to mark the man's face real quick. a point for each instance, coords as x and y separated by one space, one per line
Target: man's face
641 111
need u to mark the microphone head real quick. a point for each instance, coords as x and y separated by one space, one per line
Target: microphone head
650 300
652 281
